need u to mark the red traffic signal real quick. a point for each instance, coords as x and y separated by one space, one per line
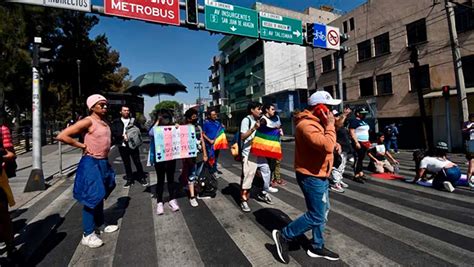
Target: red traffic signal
445 89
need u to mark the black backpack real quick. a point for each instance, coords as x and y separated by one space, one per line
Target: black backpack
207 182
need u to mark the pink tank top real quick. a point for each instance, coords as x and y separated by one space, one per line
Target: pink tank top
98 139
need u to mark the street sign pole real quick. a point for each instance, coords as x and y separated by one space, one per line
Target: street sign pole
339 78
36 178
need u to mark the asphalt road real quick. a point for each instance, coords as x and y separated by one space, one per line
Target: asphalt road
382 222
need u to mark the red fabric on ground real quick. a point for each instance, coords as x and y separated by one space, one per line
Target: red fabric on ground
386 176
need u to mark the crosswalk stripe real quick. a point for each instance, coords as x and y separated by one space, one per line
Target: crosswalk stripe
428 244
248 237
350 250
42 224
174 243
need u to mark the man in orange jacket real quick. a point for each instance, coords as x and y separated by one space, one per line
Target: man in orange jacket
315 141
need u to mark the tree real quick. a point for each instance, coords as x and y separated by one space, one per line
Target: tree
167 104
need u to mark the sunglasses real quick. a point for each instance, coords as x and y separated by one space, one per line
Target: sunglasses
102 105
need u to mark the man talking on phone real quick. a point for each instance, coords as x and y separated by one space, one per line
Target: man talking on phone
315 140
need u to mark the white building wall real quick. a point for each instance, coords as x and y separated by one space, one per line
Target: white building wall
285 67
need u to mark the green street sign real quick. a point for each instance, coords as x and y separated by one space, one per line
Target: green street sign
282 29
221 17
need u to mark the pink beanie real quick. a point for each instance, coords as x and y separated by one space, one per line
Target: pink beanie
93 99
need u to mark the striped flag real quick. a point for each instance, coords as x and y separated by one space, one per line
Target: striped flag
267 143
221 141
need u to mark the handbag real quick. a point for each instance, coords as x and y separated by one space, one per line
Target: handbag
10 166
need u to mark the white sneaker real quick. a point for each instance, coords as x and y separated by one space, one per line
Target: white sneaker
344 184
3 245
448 186
92 241
193 202
272 190
110 228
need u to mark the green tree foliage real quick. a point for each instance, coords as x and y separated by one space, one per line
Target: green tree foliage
167 104
67 34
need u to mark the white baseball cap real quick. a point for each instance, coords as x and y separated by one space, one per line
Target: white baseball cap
323 97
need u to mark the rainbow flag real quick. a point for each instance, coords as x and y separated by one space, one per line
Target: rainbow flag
221 141
266 143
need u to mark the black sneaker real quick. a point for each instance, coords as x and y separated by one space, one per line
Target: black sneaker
281 246
358 180
143 182
323 253
128 184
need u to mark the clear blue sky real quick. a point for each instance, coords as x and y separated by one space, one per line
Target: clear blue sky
187 54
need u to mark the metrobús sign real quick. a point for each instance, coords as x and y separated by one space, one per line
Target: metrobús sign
161 11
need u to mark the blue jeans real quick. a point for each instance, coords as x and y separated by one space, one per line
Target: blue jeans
451 175
92 218
389 142
316 195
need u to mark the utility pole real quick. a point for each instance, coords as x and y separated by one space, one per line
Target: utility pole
340 54
36 179
78 61
419 90
460 85
198 86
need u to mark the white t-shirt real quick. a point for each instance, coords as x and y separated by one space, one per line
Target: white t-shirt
433 164
247 123
125 124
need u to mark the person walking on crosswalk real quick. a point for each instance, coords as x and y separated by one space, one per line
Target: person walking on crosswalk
250 163
95 178
315 141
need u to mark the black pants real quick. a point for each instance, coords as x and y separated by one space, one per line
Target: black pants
167 168
361 152
126 153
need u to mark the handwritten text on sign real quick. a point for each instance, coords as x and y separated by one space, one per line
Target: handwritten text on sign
174 143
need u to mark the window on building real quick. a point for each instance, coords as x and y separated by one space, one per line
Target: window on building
468 69
424 78
416 32
351 24
364 50
344 92
464 15
344 26
327 63
329 89
257 67
366 87
311 71
382 44
384 84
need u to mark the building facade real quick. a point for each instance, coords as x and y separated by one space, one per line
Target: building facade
269 72
377 70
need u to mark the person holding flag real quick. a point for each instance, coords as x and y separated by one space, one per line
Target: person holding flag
214 136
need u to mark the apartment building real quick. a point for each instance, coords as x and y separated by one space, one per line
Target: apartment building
254 70
377 70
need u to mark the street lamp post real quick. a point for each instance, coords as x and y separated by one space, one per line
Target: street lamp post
78 61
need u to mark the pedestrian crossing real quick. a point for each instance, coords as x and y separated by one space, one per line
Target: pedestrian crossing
379 223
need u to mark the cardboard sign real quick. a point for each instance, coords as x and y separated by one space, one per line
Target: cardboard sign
173 142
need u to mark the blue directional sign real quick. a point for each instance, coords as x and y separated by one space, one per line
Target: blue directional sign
326 37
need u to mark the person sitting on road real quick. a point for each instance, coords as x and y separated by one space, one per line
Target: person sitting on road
446 173
380 159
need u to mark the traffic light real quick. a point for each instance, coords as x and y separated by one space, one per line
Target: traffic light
309 33
445 90
192 12
344 37
37 51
